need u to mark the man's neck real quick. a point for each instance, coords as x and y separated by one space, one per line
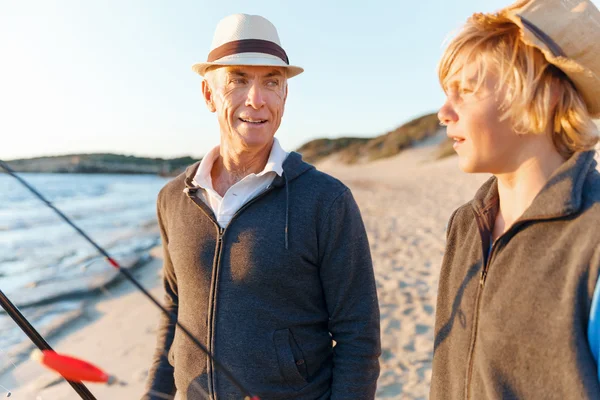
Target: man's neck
517 189
232 166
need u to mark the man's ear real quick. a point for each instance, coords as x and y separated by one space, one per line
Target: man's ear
208 96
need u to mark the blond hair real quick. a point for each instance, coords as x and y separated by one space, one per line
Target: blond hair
531 83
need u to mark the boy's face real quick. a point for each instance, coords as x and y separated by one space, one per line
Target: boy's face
483 140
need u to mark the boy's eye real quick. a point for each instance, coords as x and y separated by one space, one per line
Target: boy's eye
452 88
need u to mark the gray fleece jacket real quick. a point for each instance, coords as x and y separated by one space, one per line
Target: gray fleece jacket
270 294
512 315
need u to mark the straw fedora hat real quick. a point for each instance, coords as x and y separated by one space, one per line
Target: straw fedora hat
243 39
568 34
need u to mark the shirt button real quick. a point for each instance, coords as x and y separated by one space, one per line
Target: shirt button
300 362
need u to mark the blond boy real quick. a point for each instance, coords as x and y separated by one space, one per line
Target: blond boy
514 316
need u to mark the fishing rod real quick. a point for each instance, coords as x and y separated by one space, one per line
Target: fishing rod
39 341
128 276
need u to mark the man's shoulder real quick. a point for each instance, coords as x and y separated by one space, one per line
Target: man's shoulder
309 176
323 178
321 184
174 185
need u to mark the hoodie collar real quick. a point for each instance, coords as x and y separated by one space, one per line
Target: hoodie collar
202 177
292 167
561 196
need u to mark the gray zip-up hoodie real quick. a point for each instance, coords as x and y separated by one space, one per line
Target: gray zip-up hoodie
512 315
269 294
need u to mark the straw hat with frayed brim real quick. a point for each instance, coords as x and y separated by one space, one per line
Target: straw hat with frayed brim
568 34
250 40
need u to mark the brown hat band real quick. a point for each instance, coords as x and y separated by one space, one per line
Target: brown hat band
547 40
248 46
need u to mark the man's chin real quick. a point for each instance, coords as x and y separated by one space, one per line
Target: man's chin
255 139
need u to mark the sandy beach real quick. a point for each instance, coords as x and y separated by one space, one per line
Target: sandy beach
405 202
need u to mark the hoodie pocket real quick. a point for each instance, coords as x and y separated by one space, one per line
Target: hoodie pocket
171 352
171 355
292 364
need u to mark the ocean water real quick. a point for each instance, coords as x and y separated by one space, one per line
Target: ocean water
44 263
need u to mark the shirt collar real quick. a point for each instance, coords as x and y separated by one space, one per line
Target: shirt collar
202 177
274 164
276 159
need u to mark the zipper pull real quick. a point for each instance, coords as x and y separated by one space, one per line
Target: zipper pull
220 237
190 191
483 276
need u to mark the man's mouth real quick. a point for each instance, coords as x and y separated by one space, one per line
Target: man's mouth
253 121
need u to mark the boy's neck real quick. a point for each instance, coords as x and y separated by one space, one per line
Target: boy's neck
518 188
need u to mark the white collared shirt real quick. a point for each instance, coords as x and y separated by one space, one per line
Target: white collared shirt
240 193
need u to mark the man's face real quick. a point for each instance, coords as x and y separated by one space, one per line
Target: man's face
249 103
484 141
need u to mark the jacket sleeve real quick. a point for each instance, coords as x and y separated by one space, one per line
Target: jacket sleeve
160 376
348 281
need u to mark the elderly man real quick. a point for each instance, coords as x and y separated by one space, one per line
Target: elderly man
266 259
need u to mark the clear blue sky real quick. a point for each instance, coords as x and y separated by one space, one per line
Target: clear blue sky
115 75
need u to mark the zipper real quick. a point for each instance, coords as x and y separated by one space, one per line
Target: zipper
211 378
485 234
211 337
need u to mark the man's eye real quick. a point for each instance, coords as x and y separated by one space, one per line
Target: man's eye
272 83
237 81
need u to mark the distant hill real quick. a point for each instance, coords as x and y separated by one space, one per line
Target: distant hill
351 150
102 163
